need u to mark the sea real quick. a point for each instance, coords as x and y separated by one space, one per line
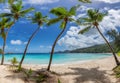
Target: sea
58 58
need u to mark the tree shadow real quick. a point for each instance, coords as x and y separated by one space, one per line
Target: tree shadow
40 74
94 75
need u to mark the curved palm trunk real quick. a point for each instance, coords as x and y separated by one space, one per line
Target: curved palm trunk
116 60
4 44
52 51
31 37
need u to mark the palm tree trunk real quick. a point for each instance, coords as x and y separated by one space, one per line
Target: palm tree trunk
31 37
4 44
52 51
115 57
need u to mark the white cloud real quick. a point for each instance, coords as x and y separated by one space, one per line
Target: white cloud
109 1
41 46
72 40
25 42
40 2
16 42
111 21
48 47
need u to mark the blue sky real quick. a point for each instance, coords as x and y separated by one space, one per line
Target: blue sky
43 41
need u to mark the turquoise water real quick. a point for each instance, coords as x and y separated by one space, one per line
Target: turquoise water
60 58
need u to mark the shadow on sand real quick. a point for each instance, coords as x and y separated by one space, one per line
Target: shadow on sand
38 76
94 75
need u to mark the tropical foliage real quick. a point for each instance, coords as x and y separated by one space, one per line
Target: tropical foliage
92 21
38 19
5 24
116 38
16 12
117 71
13 61
64 16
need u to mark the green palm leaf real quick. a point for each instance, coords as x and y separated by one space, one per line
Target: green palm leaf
55 20
5 15
39 18
23 12
59 11
85 1
84 30
72 11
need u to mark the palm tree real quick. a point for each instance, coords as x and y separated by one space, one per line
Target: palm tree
9 1
40 20
85 1
16 12
116 37
63 16
5 24
92 21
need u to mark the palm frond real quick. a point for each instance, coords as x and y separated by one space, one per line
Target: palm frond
8 25
23 12
55 20
5 15
59 11
84 30
5 20
85 1
112 33
2 1
73 10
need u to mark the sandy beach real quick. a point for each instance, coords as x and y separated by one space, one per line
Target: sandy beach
96 71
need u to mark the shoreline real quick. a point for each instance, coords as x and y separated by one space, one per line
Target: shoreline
67 63
71 63
93 71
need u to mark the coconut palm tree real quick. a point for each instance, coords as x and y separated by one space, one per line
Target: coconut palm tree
92 21
5 24
40 20
63 16
9 1
85 1
16 11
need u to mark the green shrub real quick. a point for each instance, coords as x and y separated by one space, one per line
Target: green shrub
41 78
28 73
13 61
59 81
117 71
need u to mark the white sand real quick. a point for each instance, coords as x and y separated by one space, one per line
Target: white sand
96 71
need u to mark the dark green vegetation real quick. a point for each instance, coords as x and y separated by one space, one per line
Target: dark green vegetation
9 19
37 19
64 16
102 48
92 20
117 71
